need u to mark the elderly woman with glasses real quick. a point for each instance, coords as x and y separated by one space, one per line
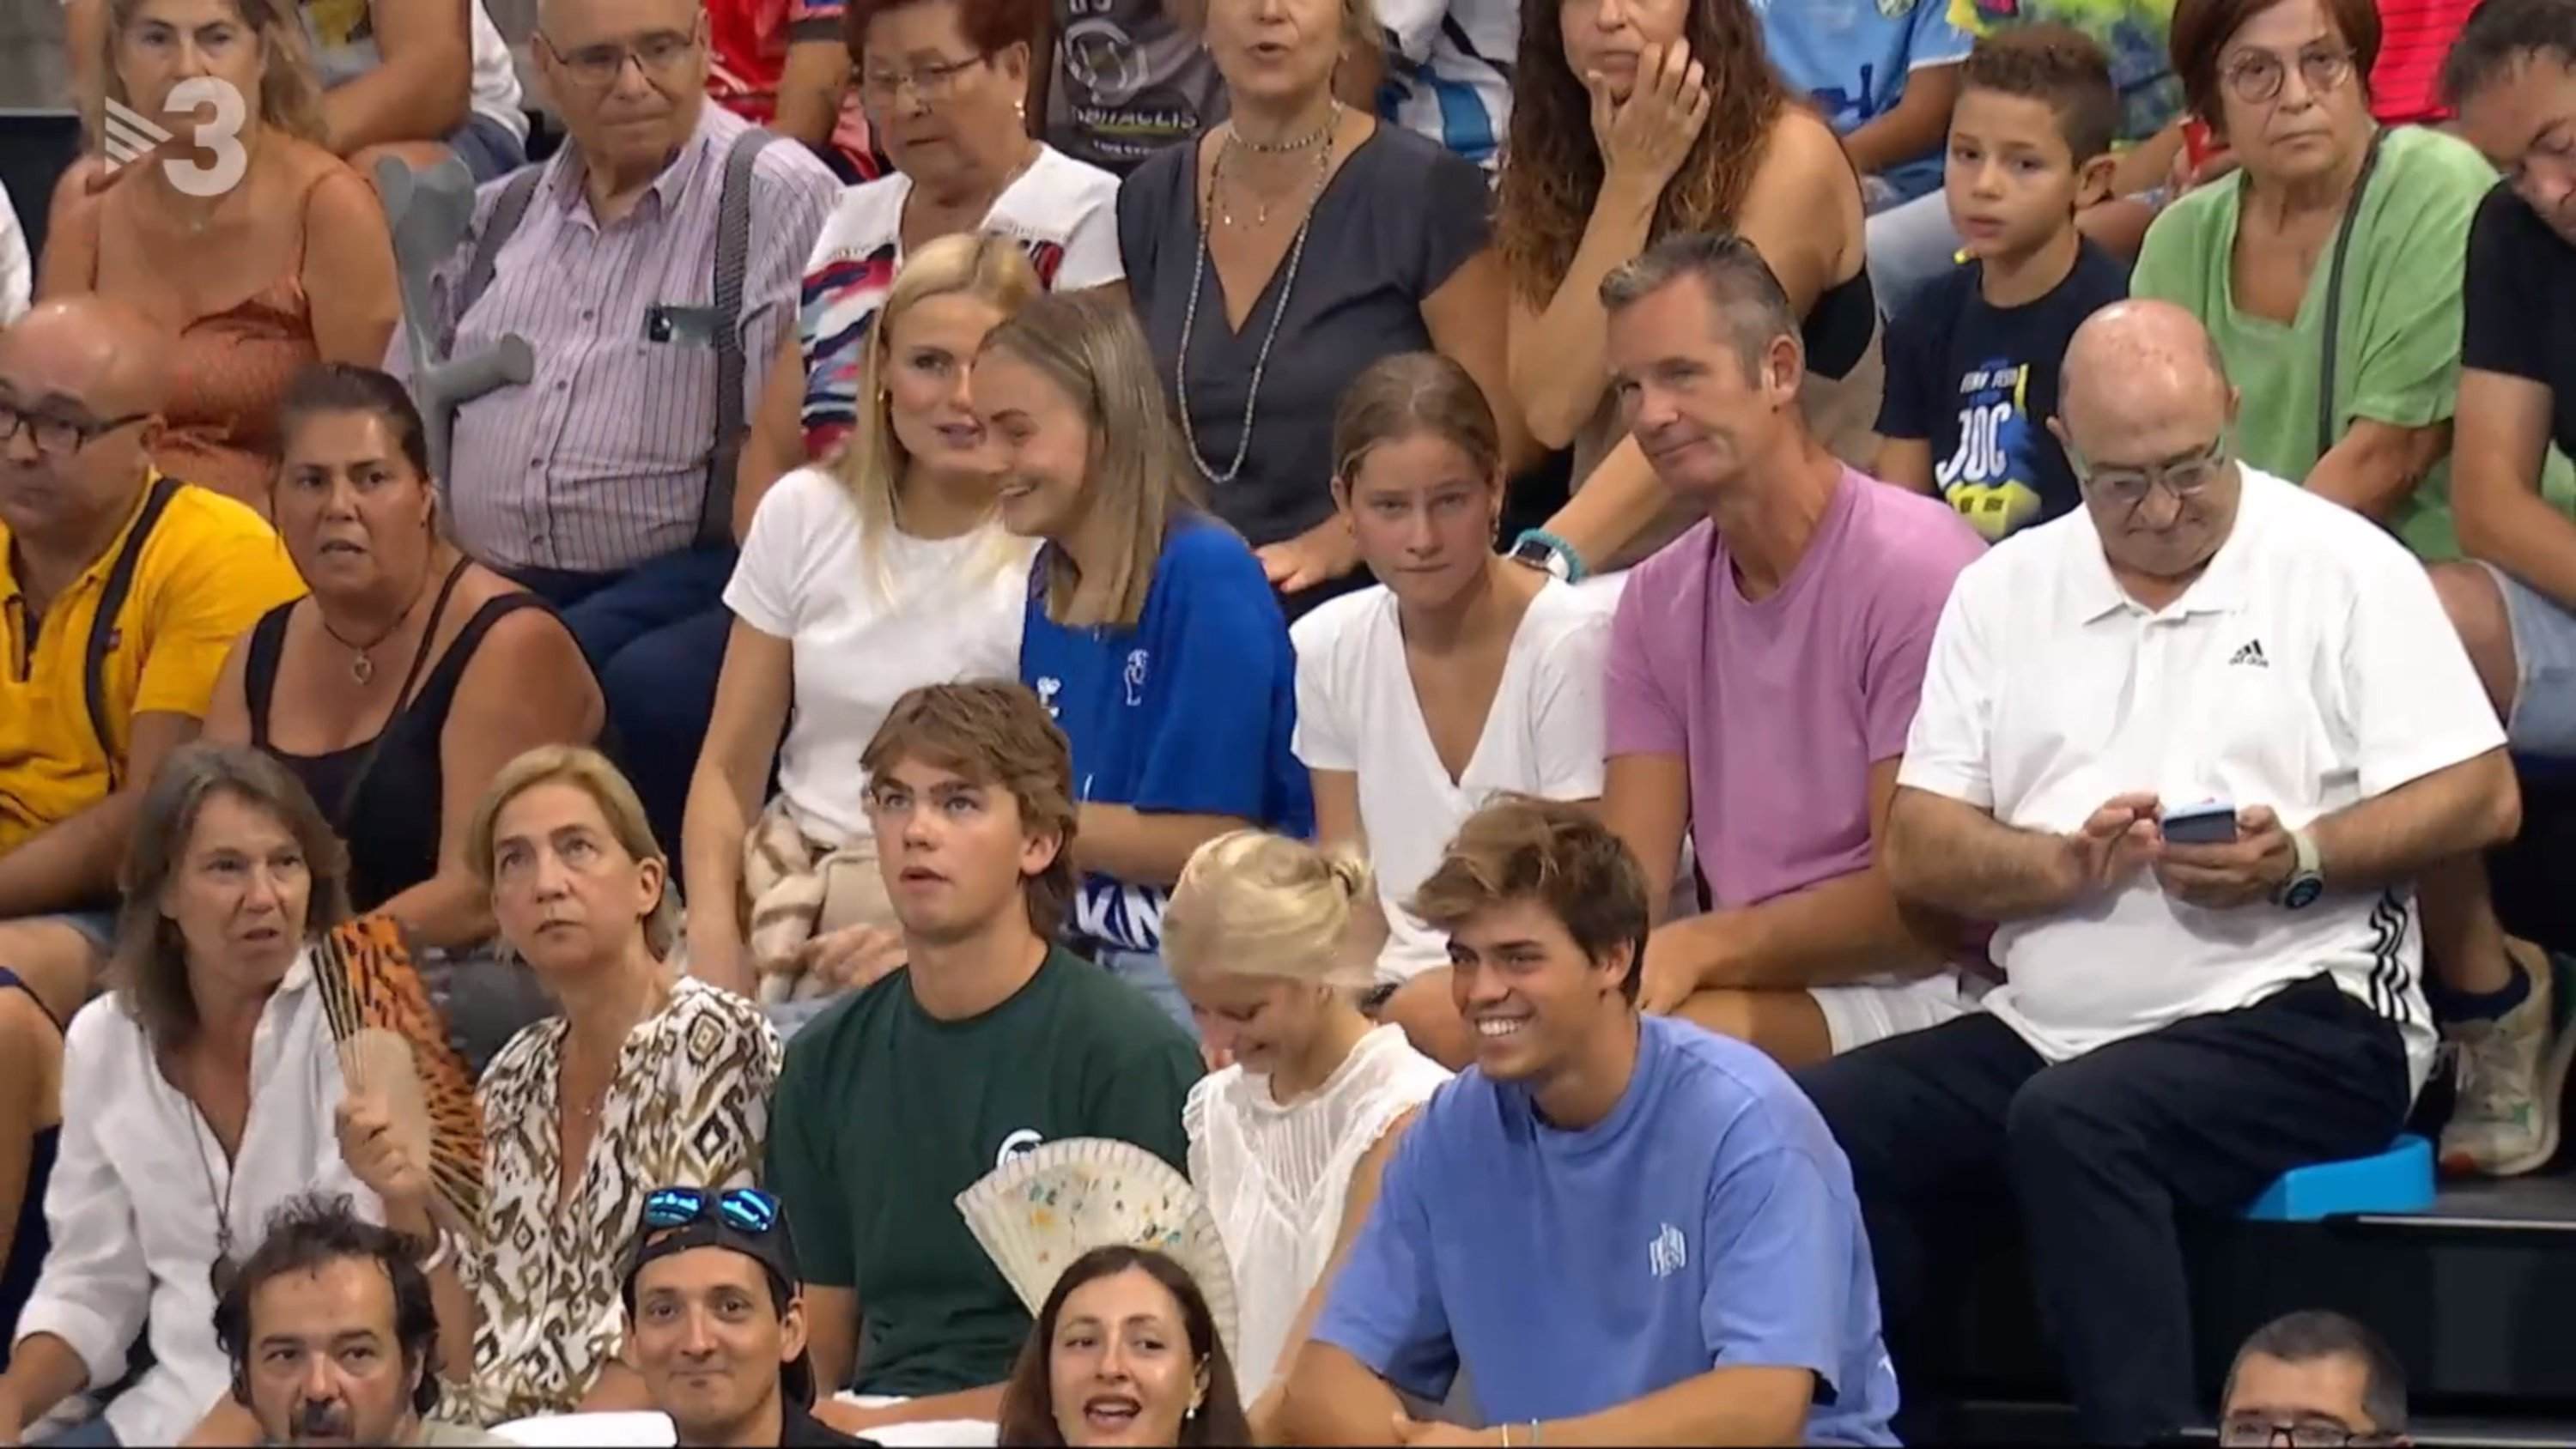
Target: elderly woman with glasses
945 84
2327 269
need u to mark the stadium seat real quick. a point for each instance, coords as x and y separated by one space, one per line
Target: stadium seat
2399 1180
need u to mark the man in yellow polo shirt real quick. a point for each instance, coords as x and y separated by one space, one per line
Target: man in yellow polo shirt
120 592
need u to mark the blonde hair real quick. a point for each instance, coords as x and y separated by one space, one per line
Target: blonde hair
290 95
590 772
872 463
1089 346
1255 904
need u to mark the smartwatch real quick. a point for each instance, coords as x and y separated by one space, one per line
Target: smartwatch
1549 554
2306 882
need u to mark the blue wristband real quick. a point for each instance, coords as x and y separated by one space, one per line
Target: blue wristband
1575 572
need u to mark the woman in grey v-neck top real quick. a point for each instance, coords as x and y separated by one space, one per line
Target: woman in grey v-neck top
1401 215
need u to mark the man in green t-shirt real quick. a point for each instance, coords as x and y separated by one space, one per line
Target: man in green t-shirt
990 1041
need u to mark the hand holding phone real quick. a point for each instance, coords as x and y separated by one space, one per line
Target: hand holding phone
2209 823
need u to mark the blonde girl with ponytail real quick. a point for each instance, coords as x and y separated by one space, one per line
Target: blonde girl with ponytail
1273 941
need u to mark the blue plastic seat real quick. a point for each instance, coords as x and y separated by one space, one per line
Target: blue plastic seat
2399 1180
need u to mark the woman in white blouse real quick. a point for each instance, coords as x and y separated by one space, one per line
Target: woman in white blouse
1462 675
1272 940
647 1079
197 1096
858 581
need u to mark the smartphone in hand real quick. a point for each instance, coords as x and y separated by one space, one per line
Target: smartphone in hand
2212 823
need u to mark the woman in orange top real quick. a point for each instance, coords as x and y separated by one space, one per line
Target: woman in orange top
259 250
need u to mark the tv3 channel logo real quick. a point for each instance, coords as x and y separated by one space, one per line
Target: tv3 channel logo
133 136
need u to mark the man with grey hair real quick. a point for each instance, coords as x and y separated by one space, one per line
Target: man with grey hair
652 265
2190 746
1762 672
2313 1377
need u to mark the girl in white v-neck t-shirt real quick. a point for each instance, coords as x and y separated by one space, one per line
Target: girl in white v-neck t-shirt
1357 711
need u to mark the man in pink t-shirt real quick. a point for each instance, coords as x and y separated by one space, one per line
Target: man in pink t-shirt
1763 672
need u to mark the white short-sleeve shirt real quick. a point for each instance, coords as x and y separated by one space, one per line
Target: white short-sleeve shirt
1357 712
925 611
2309 668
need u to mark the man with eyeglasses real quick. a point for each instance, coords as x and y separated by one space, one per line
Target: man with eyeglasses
121 591
2313 1380
605 483
2190 746
716 1323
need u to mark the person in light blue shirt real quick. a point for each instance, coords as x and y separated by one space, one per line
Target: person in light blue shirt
1151 633
1884 72
1623 1221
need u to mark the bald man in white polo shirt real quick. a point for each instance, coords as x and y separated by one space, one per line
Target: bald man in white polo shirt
2182 1022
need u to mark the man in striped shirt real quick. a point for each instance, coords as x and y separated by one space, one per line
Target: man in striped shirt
591 483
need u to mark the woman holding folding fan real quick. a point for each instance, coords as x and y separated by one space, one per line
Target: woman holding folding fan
195 1097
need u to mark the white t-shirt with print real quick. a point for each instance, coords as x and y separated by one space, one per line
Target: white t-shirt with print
1063 212
1357 712
927 611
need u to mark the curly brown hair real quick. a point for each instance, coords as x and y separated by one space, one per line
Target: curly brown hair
1552 167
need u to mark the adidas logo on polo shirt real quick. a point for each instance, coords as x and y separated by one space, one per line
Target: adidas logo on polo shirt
2250 652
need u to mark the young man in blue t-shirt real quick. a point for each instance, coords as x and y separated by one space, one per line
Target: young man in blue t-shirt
1623 1229
1972 361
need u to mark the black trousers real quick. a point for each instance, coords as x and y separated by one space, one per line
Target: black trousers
1951 1128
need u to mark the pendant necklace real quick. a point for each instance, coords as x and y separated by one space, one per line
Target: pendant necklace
220 1273
361 667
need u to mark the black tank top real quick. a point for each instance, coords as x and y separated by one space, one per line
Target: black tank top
401 795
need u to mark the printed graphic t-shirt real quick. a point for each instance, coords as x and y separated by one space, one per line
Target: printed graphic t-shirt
1979 383
1852 58
1190 712
1129 80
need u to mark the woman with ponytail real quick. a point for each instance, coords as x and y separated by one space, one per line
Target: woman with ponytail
1273 941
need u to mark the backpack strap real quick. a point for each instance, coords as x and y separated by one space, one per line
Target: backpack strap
733 260
102 625
507 212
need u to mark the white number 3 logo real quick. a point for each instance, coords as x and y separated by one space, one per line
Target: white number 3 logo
132 135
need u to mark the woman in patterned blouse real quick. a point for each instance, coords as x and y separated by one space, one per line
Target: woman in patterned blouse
647 1079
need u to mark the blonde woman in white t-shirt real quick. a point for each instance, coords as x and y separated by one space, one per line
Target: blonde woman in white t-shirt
1272 941
1462 675
857 582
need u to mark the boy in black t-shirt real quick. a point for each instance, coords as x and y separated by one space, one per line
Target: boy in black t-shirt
1972 363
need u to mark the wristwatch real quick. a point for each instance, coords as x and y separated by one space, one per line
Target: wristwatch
1549 554
2306 882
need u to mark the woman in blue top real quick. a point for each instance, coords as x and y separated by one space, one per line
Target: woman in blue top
1151 632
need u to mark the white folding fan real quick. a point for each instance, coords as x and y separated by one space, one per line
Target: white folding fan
1038 1212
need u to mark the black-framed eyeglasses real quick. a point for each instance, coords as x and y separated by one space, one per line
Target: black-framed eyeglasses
746 1209
597 67
2252 1432
930 82
2129 487
2256 76
58 437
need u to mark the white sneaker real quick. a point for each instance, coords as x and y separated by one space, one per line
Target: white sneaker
2511 1072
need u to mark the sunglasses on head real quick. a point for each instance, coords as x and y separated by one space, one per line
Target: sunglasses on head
747 1209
